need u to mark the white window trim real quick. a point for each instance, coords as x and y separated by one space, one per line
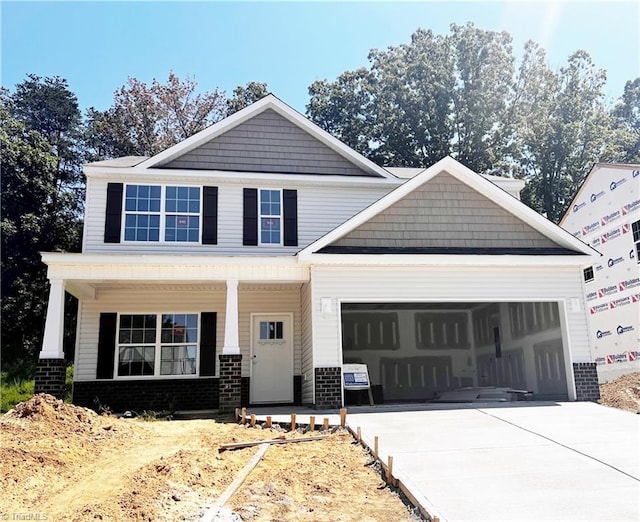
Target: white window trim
260 216
163 214
158 349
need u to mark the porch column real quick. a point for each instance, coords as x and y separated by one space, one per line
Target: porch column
231 343
50 372
230 359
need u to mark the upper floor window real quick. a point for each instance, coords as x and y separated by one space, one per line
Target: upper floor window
152 212
270 218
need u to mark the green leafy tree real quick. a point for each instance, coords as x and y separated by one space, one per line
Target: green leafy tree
421 101
626 116
564 128
37 215
483 98
344 108
413 86
245 96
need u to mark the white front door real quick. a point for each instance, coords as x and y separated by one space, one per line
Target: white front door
271 359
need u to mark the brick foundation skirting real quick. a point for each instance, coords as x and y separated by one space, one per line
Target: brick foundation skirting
328 384
50 377
586 378
161 394
150 395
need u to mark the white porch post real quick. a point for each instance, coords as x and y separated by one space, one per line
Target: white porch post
54 326
231 338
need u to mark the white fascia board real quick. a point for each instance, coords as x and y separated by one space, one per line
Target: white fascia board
136 174
473 180
268 102
61 258
427 260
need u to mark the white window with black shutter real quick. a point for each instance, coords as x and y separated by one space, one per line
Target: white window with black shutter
270 217
138 213
164 345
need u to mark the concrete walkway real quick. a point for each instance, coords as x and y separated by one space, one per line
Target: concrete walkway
517 461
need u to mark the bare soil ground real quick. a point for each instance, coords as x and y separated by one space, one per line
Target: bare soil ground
622 393
63 462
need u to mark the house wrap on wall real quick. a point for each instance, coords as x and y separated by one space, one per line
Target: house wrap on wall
605 214
247 263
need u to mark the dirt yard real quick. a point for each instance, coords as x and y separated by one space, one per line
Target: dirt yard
622 393
62 462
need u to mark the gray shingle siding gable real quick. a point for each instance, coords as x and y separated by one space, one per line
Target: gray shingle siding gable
267 143
445 212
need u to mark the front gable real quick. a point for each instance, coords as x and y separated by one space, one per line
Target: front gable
448 209
443 213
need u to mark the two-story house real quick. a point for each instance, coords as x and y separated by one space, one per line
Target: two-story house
247 263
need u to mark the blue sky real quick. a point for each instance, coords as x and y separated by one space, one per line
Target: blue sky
97 45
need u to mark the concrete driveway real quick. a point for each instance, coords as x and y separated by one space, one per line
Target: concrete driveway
522 461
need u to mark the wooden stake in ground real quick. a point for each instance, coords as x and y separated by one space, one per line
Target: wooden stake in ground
325 425
390 470
244 415
375 446
359 434
343 417
312 423
293 422
269 421
253 420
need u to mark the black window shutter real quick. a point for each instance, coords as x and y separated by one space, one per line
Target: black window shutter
290 206
207 344
113 216
106 345
250 217
209 215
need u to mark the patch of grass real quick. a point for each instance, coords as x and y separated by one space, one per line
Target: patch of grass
68 384
14 390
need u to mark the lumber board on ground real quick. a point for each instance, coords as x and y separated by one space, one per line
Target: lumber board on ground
282 440
212 512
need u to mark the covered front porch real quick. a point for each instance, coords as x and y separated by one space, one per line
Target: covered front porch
179 332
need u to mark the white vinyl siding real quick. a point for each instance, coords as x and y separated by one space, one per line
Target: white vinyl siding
440 284
154 299
321 208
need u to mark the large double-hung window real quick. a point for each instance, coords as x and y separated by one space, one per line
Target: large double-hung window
157 344
162 213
